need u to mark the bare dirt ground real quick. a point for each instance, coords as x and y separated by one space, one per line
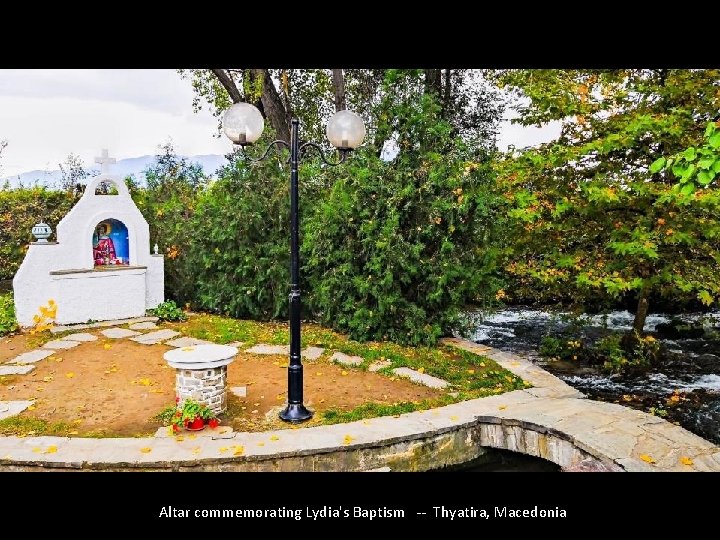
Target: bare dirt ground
115 387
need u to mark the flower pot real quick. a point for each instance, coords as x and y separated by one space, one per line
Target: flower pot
196 425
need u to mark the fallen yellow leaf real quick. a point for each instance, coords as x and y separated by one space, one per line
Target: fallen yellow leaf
343 373
471 371
31 408
146 450
274 438
348 439
179 438
107 346
73 432
261 443
686 460
283 365
37 450
482 364
421 370
454 418
196 450
51 449
502 407
70 375
223 449
647 459
239 450
318 374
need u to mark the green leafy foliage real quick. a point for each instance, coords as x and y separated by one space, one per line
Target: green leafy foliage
595 219
169 311
397 249
168 205
562 348
695 167
617 354
240 247
8 323
20 209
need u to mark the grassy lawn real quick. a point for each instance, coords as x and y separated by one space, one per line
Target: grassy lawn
470 375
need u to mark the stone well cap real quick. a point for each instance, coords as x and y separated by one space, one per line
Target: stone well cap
197 354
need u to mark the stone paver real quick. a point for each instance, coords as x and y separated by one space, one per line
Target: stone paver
143 326
420 378
269 349
186 342
379 364
61 344
345 359
31 357
312 353
119 333
102 324
12 408
16 370
81 336
239 391
153 338
237 344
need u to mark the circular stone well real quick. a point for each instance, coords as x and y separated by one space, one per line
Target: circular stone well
201 373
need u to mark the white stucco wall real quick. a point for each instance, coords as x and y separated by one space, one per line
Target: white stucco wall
86 293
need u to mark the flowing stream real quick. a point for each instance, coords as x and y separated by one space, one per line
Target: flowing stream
690 367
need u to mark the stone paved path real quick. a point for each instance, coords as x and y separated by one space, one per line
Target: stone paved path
551 420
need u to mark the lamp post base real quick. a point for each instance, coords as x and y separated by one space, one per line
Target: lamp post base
295 413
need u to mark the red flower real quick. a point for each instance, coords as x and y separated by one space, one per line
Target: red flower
177 399
213 423
176 428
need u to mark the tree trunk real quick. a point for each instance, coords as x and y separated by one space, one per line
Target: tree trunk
641 313
447 93
339 88
275 111
229 85
433 81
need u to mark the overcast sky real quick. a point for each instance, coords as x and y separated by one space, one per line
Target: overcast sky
47 114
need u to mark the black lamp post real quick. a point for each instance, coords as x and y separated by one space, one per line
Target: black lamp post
243 124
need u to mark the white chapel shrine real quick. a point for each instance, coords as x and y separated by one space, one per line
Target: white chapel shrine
100 268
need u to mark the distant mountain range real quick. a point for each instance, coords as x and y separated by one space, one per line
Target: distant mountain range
124 167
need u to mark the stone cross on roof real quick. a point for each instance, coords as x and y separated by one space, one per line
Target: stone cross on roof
104 162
